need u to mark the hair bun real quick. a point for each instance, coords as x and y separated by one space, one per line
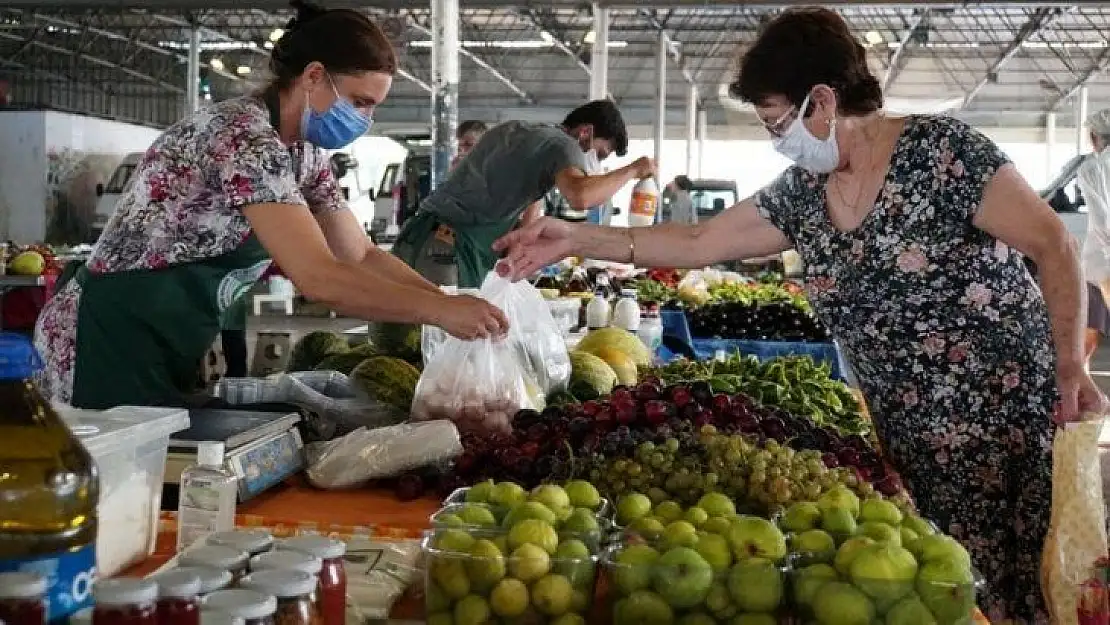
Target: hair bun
306 12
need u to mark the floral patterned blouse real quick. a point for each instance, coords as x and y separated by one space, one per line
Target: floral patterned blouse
184 204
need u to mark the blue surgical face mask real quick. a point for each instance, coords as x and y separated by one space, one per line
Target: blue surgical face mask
336 127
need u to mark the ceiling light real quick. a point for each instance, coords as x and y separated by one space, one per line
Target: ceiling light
276 34
243 70
269 45
873 37
216 63
590 38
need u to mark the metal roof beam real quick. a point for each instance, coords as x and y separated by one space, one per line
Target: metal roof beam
1038 21
485 65
1087 76
474 4
674 48
897 60
547 29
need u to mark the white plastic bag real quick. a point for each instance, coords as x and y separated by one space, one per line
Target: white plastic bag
481 384
365 455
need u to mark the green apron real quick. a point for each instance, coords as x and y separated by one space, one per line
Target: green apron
142 333
447 255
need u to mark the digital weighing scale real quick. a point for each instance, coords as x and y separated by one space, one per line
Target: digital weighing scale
261 448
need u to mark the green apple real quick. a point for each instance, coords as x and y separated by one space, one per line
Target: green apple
440 618
817 545
452 541
809 580
754 618
801 516
554 497
450 575
718 600
842 604
580 601
909 540
755 585
714 548
471 610
502 543
485 566
634 565
668 511
919 525
552 595
885 572
839 497
716 525
881 532
572 560
717 504
529 510
570 618
839 522
679 534
649 527
536 532
434 598
509 597
631 507
642 607
449 519
529 562
696 516
848 552
480 492
477 514
582 494
682 577
911 611
947 588
939 548
753 537
507 494
697 618
880 511
581 521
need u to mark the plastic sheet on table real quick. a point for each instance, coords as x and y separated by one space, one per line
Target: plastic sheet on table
365 455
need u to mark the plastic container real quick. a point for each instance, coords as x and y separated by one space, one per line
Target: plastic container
22 599
626 314
332 591
644 203
178 598
650 332
597 312
295 593
458 497
211 578
253 607
253 542
215 556
125 601
206 504
129 445
566 311
551 586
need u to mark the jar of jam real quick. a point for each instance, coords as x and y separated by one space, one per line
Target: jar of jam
211 578
224 558
22 599
125 601
286 561
332 593
253 542
178 602
217 617
293 590
253 607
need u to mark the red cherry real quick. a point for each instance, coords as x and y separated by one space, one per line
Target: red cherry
722 404
656 412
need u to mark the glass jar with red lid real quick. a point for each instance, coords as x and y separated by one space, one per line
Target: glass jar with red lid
253 542
293 589
253 607
211 578
333 574
22 599
178 600
224 558
125 601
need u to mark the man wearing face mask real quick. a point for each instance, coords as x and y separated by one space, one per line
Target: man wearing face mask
913 231
215 198
502 183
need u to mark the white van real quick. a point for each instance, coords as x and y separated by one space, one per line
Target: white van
108 194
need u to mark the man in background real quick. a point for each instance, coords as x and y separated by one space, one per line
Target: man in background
1094 185
678 206
468 135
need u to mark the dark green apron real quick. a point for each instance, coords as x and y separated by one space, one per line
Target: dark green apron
142 333
446 255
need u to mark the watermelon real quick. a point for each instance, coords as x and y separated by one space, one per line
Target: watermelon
400 340
590 375
617 338
620 362
391 381
313 348
345 362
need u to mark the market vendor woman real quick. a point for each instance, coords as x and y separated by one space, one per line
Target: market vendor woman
502 182
913 232
213 200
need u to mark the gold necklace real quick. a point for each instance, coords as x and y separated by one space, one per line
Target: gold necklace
837 184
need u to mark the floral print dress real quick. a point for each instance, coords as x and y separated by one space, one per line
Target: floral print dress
950 338
183 205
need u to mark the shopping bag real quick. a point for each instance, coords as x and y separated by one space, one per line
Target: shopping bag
1076 542
480 385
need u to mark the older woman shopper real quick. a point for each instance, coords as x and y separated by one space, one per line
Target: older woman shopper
913 232
1094 185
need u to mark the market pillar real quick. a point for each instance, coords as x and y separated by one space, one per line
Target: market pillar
660 98
1050 143
599 56
445 85
703 134
691 128
1080 119
192 73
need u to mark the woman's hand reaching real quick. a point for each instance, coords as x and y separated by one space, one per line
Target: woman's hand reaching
469 318
534 247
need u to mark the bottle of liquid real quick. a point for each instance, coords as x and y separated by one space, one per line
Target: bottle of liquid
597 312
645 201
626 314
49 493
207 501
651 328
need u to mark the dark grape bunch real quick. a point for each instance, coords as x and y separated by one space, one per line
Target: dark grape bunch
770 321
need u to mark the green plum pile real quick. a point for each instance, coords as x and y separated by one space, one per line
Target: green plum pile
858 563
530 566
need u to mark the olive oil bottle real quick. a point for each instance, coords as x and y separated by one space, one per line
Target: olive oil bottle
48 488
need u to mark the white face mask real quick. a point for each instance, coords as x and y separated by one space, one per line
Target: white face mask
806 150
593 163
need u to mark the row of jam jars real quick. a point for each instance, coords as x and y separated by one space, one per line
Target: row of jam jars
178 598
22 599
332 590
214 556
253 542
294 592
253 607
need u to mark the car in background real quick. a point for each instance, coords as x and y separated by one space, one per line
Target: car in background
1063 195
403 185
711 197
107 195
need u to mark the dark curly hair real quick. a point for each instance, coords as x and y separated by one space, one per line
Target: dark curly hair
803 48
606 119
471 125
343 40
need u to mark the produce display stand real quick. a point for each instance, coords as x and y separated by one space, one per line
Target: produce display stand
10 282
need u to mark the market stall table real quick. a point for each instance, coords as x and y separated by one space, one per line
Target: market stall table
11 282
